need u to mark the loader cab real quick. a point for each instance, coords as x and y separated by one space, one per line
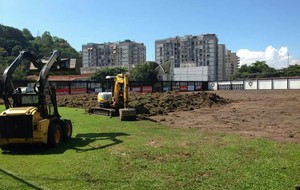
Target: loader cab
24 96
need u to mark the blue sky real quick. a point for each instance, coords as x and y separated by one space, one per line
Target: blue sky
257 30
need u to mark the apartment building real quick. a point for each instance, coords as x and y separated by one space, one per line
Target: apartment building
193 57
221 62
232 62
197 58
123 54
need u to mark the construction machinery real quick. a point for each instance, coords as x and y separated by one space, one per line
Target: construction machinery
115 103
31 115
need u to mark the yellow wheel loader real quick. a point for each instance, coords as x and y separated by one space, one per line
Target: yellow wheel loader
31 115
115 103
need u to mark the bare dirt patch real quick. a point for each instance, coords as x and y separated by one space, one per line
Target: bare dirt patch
272 114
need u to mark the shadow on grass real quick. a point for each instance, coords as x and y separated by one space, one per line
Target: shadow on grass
81 143
20 180
91 137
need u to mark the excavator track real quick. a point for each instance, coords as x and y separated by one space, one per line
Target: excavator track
103 111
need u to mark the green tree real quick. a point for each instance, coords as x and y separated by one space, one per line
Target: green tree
291 70
259 69
16 50
3 52
10 37
65 49
47 40
20 72
101 74
27 34
144 72
3 65
45 44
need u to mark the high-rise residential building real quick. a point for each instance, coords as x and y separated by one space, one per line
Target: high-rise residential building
232 62
221 62
124 54
193 57
197 58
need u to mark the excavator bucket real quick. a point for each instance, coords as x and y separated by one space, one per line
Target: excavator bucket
127 114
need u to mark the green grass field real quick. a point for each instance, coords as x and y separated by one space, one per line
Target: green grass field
106 153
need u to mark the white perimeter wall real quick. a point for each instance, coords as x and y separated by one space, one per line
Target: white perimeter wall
264 84
281 84
259 84
294 84
212 85
250 85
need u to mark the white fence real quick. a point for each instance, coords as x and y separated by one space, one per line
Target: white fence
257 84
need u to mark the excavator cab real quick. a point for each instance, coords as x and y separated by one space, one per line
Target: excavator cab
31 115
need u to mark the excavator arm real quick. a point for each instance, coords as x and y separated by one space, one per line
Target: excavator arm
120 79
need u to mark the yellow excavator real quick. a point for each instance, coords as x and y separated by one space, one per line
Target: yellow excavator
31 115
115 103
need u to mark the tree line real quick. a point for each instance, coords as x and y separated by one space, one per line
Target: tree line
260 69
141 72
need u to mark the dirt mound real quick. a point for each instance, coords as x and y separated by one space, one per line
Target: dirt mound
163 103
151 103
84 101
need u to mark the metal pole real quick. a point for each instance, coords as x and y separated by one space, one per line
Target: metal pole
288 64
288 59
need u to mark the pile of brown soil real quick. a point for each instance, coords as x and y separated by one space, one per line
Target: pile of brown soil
164 103
84 101
151 103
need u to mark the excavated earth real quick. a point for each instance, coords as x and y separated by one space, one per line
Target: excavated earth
272 114
151 104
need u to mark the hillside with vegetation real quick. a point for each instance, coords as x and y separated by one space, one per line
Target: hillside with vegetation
13 40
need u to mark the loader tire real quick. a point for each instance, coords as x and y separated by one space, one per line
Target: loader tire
67 130
5 147
54 135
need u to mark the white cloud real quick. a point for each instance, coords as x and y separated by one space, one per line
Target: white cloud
295 62
276 58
